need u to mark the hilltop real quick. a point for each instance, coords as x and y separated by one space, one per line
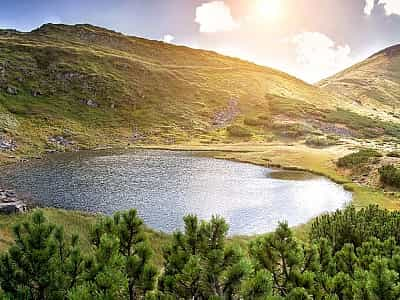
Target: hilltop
84 87
374 82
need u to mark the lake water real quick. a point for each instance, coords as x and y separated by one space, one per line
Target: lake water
165 186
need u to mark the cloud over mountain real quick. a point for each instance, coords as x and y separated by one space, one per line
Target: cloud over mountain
319 56
391 7
215 17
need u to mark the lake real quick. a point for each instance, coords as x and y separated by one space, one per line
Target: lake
164 186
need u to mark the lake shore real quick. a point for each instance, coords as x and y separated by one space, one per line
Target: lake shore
298 157
285 156
280 155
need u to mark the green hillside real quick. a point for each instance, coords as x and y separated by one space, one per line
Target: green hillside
67 87
374 82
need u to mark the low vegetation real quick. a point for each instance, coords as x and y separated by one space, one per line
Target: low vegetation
239 131
353 83
365 126
395 154
259 121
322 141
357 159
390 175
349 254
84 87
101 88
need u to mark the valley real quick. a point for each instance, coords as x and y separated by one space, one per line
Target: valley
94 122
81 87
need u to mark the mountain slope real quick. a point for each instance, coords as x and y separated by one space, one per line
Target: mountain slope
374 82
83 86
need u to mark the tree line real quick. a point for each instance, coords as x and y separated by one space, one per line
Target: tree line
349 254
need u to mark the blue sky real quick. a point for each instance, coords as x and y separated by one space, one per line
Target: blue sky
310 39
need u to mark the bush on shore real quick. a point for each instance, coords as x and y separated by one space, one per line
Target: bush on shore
354 160
390 175
350 254
321 141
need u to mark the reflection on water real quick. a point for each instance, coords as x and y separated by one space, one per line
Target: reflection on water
165 186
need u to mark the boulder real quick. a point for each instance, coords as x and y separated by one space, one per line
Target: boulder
10 204
7 145
36 93
60 140
12 90
12 207
89 102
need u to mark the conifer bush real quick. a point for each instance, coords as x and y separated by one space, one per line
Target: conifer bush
354 160
350 254
390 175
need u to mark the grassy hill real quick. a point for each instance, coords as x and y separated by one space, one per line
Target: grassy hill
65 87
374 82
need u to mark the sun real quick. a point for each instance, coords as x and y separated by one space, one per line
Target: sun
269 9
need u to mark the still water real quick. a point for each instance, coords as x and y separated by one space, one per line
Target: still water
165 186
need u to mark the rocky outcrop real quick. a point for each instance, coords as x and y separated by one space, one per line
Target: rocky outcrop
61 141
90 102
36 93
12 90
137 135
224 117
10 204
7 145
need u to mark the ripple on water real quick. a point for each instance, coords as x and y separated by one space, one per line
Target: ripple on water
164 186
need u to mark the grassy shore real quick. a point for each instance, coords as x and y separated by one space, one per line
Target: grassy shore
319 161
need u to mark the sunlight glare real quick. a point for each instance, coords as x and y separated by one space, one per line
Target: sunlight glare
269 9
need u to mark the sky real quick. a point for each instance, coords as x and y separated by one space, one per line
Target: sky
310 39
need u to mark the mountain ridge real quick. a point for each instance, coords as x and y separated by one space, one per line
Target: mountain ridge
373 82
82 86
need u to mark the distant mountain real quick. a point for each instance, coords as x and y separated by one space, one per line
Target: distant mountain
82 86
374 82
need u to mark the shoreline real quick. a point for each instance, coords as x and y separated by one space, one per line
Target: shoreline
235 152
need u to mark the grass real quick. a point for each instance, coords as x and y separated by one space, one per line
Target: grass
167 94
292 157
380 89
322 141
74 223
239 131
364 125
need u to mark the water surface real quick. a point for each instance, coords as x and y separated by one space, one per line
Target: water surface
164 186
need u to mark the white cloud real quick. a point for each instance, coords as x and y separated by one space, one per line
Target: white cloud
318 56
168 38
369 6
215 17
392 7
